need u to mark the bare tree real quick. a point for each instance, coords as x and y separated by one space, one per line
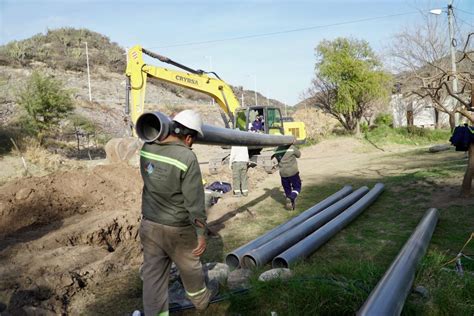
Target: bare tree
422 52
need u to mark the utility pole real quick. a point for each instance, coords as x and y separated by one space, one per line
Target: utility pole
453 55
88 73
243 104
452 46
255 88
210 69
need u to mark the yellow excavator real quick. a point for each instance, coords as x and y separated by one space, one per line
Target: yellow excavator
234 116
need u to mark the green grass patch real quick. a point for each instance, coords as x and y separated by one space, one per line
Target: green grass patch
338 277
384 135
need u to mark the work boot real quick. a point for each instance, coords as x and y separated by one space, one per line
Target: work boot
293 204
202 301
288 204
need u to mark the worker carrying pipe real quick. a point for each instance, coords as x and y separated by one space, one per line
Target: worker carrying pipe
173 221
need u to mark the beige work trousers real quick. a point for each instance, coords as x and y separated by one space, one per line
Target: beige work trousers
163 245
239 177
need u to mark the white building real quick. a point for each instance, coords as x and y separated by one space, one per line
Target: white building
420 112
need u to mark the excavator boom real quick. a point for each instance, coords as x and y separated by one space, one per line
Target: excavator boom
198 80
233 115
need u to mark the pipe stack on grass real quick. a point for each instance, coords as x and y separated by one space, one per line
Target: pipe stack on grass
234 258
309 245
299 237
265 253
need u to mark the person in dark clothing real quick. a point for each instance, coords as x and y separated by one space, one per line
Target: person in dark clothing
257 125
462 137
289 173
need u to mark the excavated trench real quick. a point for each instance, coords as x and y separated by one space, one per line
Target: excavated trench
62 235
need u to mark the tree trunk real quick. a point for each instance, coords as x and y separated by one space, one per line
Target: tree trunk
467 181
410 118
436 113
357 128
452 120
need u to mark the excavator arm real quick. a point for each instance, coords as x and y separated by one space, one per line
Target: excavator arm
198 80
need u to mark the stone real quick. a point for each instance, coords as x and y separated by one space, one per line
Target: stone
279 273
438 148
239 279
423 291
23 194
216 271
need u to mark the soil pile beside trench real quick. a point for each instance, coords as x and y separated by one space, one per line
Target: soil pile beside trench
63 233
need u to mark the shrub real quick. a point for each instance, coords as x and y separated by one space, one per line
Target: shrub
364 127
46 103
384 119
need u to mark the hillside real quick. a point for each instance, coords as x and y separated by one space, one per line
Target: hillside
64 49
61 54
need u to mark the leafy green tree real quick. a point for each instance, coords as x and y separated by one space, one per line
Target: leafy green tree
349 81
46 102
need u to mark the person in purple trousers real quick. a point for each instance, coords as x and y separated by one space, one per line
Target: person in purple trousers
290 176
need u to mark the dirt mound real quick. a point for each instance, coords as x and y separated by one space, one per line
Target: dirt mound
65 232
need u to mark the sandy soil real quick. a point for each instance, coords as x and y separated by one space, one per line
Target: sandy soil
62 235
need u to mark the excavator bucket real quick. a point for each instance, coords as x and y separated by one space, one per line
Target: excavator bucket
119 150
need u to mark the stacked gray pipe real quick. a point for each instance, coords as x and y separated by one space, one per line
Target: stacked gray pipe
308 245
234 258
265 253
389 296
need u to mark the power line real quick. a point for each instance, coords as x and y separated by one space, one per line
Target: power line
464 21
287 31
471 13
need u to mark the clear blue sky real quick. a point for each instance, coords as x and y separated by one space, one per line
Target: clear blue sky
282 63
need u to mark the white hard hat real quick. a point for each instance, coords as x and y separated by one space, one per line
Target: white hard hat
190 119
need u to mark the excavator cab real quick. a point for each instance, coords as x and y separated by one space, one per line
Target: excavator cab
259 119
272 122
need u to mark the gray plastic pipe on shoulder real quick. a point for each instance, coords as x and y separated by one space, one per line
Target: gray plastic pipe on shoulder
389 296
265 253
155 126
312 242
234 258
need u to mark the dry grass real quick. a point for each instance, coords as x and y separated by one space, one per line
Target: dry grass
317 123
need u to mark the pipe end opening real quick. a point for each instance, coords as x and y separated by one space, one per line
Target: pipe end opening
249 262
148 127
279 263
232 261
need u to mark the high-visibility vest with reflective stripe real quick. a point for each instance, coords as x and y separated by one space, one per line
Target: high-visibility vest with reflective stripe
173 193
164 159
